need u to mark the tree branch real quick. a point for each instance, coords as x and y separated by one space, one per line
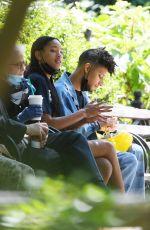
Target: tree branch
11 29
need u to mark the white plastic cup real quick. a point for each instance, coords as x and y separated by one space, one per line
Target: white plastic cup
35 100
35 143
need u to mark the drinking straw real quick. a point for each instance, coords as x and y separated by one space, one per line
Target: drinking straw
31 87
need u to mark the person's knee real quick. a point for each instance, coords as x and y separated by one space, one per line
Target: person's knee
65 139
71 134
138 151
110 147
13 174
127 160
75 136
26 170
132 160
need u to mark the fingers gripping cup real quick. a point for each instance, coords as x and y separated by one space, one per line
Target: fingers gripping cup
36 100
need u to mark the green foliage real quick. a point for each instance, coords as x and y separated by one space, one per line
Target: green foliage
121 28
140 2
125 33
3 13
58 205
55 205
94 6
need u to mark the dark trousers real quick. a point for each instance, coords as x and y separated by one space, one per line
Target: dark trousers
68 153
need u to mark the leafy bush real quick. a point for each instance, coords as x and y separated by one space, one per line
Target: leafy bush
124 31
55 204
121 28
58 205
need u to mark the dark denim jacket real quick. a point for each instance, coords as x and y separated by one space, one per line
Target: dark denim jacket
69 102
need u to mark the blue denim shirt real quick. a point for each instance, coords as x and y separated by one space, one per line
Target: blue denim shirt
69 102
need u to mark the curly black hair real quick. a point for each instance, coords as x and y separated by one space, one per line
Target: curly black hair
98 56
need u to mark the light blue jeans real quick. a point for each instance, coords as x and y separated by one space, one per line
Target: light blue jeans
132 168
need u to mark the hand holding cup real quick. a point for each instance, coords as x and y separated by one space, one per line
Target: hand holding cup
109 125
38 133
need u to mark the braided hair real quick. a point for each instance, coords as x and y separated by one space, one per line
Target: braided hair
35 67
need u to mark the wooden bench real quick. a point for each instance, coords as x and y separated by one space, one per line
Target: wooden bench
122 111
142 130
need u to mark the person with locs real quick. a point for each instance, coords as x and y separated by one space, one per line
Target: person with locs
72 89
46 59
64 153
